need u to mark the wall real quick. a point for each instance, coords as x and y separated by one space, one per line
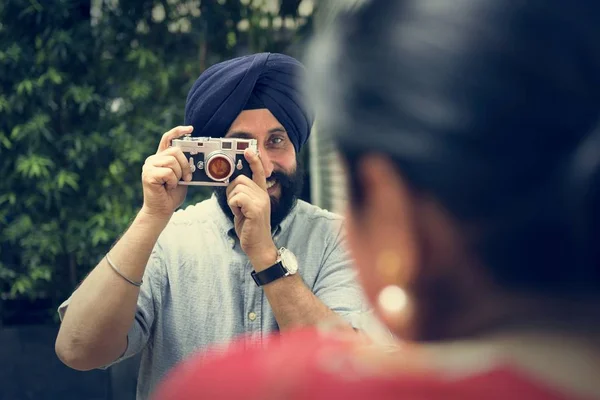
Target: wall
29 369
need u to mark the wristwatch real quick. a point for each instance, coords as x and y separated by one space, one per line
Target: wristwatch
285 265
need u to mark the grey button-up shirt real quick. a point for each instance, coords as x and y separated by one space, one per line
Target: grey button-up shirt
198 291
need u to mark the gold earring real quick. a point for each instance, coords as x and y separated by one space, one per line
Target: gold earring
392 300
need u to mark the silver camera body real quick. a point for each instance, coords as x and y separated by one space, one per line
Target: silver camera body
215 161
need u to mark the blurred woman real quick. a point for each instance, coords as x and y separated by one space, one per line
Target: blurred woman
471 133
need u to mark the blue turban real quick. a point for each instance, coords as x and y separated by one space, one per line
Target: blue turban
264 80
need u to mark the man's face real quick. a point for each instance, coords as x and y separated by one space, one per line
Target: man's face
284 174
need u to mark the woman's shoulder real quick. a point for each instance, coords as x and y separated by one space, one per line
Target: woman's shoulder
309 365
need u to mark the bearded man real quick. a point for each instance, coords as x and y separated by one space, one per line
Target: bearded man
250 260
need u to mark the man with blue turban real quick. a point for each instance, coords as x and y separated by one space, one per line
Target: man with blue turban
250 260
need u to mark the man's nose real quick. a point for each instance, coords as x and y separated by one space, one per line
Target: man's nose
266 162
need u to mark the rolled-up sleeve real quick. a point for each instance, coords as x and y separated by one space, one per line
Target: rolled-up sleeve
336 284
147 304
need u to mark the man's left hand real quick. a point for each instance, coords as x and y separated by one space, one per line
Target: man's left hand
251 206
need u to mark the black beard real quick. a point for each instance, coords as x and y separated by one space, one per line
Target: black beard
291 187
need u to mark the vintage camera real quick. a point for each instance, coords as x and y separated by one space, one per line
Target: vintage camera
215 161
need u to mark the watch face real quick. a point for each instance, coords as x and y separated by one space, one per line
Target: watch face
288 259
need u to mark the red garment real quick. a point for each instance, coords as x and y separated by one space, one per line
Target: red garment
305 365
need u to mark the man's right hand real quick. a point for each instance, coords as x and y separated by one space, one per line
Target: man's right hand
161 173
94 330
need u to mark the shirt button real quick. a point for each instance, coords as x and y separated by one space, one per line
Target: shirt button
252 316
232 242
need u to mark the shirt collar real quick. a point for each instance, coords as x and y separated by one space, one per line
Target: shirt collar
226 225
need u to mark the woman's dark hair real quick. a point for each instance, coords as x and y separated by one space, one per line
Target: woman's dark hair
492 107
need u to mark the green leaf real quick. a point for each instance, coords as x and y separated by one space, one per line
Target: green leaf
9 198
54 76
140 90
34 166
7 274
25 87
41 273
231 39
22 285
100 236
4 104
4 141
98 220
143 57
116 168
51 75
16 132
19 228
12 54
66 178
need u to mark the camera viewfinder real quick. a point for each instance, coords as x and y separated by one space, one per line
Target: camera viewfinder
242 145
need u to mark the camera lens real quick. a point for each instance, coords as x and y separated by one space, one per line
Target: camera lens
219 167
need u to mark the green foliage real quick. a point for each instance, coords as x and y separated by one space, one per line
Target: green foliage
86 91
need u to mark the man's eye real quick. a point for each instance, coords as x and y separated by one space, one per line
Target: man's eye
276 140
